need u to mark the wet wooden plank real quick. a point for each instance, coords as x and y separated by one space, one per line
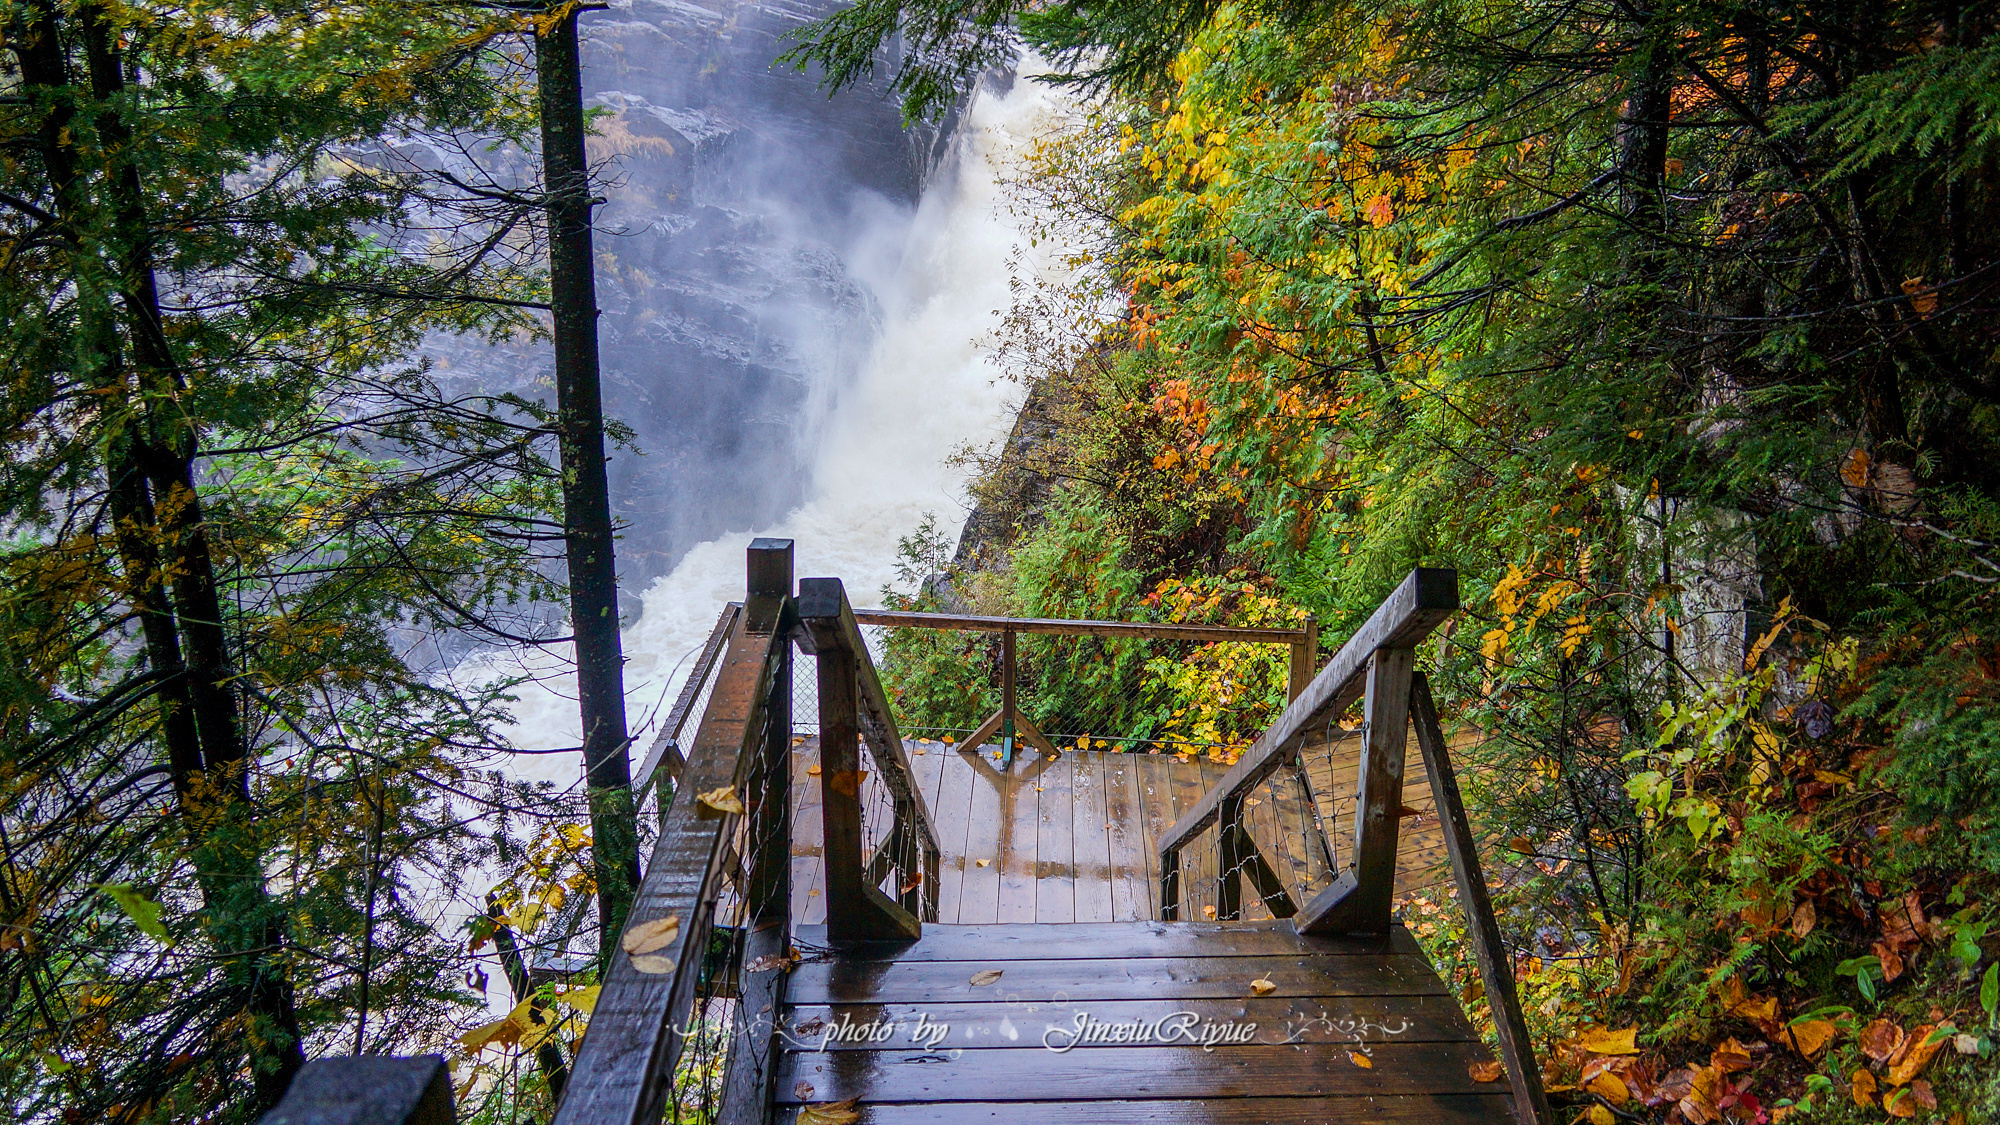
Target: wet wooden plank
1091 941
1090 837
1413 1109
1055 841
990 1026
1020 828
930 982
979 891
1152 783
954 814
1126 872
1029 1074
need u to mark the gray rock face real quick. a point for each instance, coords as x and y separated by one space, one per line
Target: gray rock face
742 207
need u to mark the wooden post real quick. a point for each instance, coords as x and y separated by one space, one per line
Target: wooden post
1006 698
1531 1103
375 1089
1361 900
1229 859
1305 654
855 909
769 823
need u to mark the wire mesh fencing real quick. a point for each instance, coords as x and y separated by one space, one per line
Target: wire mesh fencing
1129 692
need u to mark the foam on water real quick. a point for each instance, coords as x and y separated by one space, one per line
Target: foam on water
925 390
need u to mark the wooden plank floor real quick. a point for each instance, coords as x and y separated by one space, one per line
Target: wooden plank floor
1076 838
1354 1030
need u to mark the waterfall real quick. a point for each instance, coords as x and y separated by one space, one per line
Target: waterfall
883 441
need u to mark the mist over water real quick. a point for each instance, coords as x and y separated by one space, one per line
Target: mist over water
878 444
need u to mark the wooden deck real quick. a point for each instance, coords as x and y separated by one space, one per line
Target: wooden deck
1351 1030
1074 839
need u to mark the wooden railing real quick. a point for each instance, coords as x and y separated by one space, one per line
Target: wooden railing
853 709
1009 723
1377 666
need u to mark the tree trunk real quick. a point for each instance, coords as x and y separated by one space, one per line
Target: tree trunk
593 580
247 926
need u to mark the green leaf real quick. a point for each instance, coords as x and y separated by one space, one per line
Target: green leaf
144 912
1989 992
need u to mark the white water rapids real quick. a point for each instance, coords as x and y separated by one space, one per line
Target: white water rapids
925 390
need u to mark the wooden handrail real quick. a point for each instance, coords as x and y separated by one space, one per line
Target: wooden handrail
666 748
1079 628
1368 660
853 707
626 1064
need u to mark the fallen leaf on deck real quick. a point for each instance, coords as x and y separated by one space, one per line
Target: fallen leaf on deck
984 862
1209 910
1262 987
830 1113
986 976
812 770
655 965
1361 1060
1603 1041
648 936
770 961
803 1091
722 799
1485 1071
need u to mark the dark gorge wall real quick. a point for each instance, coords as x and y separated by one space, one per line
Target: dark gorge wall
746 214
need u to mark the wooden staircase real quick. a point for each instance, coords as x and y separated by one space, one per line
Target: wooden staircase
807 977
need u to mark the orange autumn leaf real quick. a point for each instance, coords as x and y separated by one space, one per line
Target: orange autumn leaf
1881 1039
1864 1088
1810 1037
1916 1054
1488 1071
1854 470
1731 1057
1379 212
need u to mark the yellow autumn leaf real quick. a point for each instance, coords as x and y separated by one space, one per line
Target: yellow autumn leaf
830 1113
1361 1060
582 999
722 799
645 937
499 1033
1262 987
1603 1041
1602 1116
